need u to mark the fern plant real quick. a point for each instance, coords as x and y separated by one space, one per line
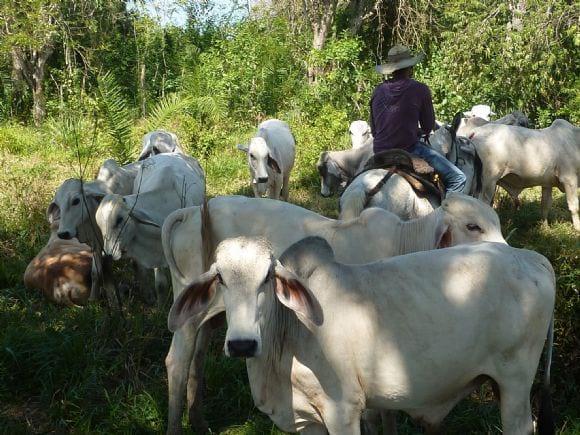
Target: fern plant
117 116
165 109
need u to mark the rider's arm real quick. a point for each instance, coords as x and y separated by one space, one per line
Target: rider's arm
427 114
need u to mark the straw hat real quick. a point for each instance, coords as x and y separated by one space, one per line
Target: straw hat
399 57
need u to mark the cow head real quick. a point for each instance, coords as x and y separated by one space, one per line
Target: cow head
360 133
261 162
75 204
251 281
467 220
330 175
159 142
119 222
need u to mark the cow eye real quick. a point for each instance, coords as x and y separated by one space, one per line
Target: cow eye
75 201
474 227
252 157
119 221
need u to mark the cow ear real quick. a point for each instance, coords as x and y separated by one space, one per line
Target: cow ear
193 300
53 212
273 164
243 148
144 154
143 217
443 236
296 296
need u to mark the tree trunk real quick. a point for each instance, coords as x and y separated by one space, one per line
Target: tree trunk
142 89
31 68
321 19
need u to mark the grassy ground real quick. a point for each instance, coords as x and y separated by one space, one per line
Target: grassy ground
85 370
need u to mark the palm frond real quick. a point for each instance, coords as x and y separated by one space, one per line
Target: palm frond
165 109
211 107
117 116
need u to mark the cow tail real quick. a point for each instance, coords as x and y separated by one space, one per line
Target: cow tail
169 226
478 168
352 202
546 412
206 238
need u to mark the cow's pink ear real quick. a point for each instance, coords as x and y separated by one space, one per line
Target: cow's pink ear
53 213
293 294
443 236
274 164
193 300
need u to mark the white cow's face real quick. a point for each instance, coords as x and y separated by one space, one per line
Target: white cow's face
469 220
117 229
258 155
250 280
360 133
73 205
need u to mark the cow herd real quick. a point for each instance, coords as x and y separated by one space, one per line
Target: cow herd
408 302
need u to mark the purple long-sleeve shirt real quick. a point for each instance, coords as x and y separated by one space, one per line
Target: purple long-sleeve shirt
397 108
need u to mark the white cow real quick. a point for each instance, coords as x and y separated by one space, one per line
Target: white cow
159 142
337 168
131 224
118 179
75 204
360 133
418 332
271 158
190 235
517 158
480 111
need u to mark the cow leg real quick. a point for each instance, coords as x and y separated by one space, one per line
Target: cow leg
340 421
546 202
144 278
195 381
488 189
516 413
161 285
370 422
389 419
571 189
314 429
96 277
177 363
286 187
274 189
514 193
255 189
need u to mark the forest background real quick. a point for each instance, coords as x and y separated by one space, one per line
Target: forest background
83 80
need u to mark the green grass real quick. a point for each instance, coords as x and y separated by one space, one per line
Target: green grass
85 370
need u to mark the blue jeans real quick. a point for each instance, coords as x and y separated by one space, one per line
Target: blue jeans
451 175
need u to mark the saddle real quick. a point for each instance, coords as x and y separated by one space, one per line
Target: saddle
418 173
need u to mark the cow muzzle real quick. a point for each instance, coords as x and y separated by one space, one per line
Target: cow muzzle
242 348
65 235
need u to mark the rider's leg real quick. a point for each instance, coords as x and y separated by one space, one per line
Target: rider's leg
453 178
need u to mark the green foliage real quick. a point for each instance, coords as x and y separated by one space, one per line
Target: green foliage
480 57
248 73
166 108
117 117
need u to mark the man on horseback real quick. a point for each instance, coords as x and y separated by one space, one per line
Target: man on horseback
398 106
